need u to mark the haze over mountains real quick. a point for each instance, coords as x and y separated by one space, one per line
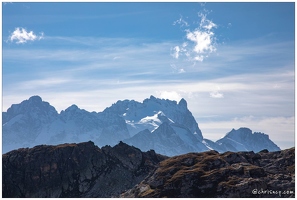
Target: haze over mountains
166 126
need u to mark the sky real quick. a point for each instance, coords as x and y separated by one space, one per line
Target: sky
234 63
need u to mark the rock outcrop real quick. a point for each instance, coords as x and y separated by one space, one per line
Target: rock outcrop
75 170
210 174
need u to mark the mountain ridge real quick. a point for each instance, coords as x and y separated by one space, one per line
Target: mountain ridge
75 170
35 121
226 175
83 170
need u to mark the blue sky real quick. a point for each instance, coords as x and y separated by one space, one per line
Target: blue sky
232 62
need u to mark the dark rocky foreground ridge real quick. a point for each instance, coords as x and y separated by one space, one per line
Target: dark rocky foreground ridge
210 174
75 170
85 170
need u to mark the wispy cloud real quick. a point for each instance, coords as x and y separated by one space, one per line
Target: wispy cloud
176 51
200 41
244 93
92 49
152 64
21 35
216 94
181 22
48 82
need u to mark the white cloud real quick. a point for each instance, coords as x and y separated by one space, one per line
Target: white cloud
176 69
22 36
172 95
116 57
200 41
181 71
45 83
205 23
181 22
203 41
176 50
216 94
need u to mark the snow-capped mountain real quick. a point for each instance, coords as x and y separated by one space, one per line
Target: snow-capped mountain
166 126
152 113
244 139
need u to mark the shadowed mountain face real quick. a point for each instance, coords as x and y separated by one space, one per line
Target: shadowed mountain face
75 170
85 170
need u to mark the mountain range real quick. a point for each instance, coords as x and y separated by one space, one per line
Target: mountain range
166 126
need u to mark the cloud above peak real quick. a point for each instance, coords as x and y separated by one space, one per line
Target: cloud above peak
21 35
172 95
199 43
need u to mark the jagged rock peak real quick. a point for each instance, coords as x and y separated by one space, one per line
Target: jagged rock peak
72 107
242 130
121 106
159 100
245 131
152 97
183 103
33 104
244 139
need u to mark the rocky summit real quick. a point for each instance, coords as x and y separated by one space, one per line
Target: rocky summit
214 175
85 170
75 170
